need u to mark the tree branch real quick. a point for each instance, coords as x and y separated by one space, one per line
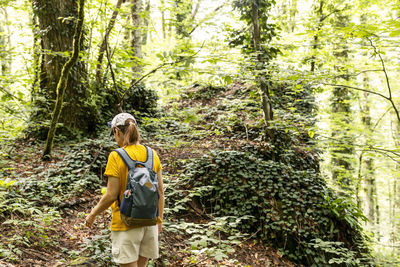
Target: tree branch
358 89
119 98
206 18
4 90
367 148
386 77
103 45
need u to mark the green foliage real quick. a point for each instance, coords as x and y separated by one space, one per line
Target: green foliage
199 92
141 101
282 203
99 249
216 238
244 37
32 208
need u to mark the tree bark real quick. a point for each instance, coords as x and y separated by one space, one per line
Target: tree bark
146 32
56 23
136 37
183 10
315 41
396 183
163 26
342 157
63 81
260 67
5 44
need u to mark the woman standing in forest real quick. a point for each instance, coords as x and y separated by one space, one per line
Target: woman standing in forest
131 246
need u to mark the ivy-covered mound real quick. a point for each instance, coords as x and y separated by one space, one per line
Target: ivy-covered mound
291 208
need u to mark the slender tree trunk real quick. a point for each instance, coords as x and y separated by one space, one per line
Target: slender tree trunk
163 26
315 38
260 67
369 173
370 177
396 183
288 14
196 9
3 53
36 55
63 82
5 45
136 37
342 155
146 32
293 12
183 11
359 180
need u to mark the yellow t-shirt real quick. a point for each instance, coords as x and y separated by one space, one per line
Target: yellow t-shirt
117 168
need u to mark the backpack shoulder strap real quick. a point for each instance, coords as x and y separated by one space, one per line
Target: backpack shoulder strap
149 161
125 157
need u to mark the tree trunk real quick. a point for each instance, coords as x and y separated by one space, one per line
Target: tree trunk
288 15
146 32
183 10
56 23
163 26
260 67
136 37
371 187
396 183
63 82
342 155
36 56
315 39
5 45
293 12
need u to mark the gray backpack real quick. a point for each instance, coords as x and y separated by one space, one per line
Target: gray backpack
139 205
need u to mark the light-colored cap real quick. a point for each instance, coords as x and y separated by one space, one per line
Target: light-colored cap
120 119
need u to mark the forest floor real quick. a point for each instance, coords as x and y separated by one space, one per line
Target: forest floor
205 129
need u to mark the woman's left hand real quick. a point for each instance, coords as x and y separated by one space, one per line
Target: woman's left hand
90 220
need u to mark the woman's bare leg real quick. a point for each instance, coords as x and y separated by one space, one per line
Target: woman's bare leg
132 264
142 261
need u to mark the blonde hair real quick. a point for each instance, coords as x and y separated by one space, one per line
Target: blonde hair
130 132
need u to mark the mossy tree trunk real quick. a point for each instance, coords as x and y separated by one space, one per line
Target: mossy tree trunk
63 81
57 20
262 77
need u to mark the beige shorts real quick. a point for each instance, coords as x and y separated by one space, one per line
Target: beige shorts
128 245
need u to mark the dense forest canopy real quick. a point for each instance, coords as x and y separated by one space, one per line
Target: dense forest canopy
306 89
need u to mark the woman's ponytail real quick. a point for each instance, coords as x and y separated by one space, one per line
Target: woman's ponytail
131 133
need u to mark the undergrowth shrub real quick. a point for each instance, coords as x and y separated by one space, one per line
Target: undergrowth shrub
203 92
291 208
